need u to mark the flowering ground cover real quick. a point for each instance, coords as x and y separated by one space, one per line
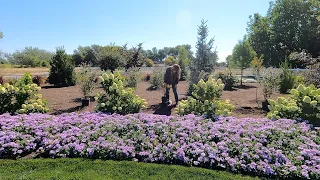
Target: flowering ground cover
263 147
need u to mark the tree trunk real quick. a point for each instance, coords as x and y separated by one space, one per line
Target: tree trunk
241 76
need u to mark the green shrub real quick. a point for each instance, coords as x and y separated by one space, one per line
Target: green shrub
227 79
25 79
5 65
22 97
117 98
157 79
287 78
149 63
62 69
112 57
201 75
39 80
132 77
183 61
170 60
300 79
304 103
205 100
312 76
86 78
11 81
270 82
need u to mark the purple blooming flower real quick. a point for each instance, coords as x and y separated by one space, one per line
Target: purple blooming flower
256 146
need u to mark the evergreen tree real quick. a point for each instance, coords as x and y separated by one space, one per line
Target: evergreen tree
183 62
205 57
62 69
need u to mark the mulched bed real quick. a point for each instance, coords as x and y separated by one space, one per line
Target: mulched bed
68 99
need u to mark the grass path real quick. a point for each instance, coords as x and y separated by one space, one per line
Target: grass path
98 169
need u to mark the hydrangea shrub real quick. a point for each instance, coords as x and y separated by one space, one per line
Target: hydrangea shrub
205 100
117 98
21 98
304 103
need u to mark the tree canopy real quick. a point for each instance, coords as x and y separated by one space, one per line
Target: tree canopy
30 56
242 55
289 26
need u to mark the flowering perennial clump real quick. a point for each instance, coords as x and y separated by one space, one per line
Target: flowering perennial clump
261 147
117 98
22 97
205 100
303 103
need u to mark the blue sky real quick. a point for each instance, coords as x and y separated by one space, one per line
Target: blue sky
157 23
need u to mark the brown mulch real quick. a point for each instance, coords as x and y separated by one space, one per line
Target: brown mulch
68 99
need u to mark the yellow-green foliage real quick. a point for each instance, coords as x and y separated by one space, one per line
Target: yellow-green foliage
170 61
299 80
205 100
149 63
117 98
34 104
303 103
22 97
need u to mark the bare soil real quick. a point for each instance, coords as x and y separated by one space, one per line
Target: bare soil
68 99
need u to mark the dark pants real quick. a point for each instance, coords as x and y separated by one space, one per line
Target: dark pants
174 89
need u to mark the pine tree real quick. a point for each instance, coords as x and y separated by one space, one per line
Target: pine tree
205 57
62 69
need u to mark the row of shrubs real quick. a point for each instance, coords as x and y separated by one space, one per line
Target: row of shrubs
119 97
36 79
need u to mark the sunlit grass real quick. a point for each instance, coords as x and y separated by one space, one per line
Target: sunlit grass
98 169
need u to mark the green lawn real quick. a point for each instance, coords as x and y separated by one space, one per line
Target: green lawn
98 169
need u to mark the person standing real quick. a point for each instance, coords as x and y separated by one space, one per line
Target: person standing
171 79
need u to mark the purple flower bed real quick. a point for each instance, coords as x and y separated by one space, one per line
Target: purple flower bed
263 147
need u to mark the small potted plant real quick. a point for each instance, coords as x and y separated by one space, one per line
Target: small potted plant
86 79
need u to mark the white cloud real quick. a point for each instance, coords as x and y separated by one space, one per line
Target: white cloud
183 19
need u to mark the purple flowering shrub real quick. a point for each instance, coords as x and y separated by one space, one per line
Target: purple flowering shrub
263 147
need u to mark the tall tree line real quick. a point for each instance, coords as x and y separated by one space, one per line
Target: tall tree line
289 26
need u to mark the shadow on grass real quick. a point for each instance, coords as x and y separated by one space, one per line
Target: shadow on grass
73 109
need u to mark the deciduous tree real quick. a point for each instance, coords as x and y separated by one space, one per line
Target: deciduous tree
243 55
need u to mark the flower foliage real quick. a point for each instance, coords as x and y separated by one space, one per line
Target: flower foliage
22 97
205 100
303 103
117 98
262 147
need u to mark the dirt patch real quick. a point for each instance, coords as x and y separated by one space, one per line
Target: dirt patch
68 99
